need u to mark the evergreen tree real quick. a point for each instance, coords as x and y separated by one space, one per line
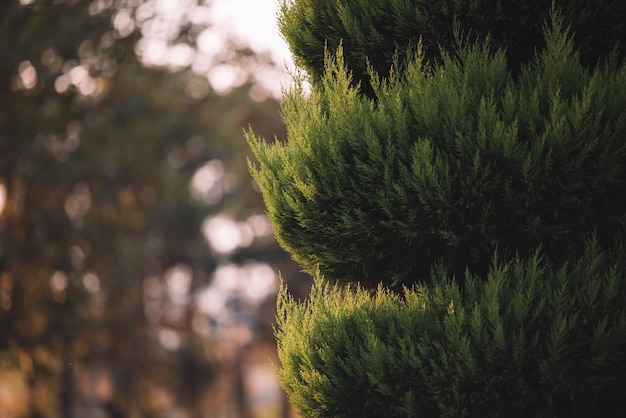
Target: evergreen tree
374 32
454 161
464 218
528 340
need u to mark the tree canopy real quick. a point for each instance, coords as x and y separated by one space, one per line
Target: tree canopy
382 32
463 213
452 162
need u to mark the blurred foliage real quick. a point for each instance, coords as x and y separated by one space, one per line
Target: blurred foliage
96 156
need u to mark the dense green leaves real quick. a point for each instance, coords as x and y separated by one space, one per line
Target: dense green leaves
532 340
451 162
377 31
397 187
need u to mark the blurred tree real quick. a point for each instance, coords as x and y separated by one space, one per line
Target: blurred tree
96 214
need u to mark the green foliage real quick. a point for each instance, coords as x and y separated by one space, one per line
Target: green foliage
464 150
376 30
532 340
451 162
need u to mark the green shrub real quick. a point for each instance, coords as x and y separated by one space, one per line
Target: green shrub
452 161
375 30
530 340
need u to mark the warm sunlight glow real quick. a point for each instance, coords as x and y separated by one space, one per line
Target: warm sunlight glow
253 23
14 393
28 75
251 282
206 183
3 197
260 225
223 234
178 281
58 283
78 203
169 339
91 282
231 24
225 77
259 280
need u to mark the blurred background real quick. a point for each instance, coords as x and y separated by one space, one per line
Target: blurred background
138 271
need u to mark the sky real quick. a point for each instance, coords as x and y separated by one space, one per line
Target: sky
247 23
253 22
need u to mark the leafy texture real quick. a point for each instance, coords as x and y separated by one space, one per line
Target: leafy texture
376 30
452 162
531 340
396 188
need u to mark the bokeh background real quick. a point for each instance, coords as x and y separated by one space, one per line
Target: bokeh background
138 271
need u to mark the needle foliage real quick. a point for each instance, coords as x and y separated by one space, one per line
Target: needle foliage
375 31
530 340
464 214
452 162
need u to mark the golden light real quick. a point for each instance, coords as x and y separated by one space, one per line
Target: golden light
3 197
